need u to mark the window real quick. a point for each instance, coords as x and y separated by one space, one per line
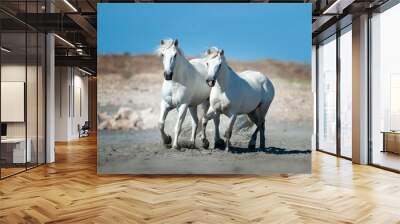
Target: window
327 95
395 102
385 88
346 92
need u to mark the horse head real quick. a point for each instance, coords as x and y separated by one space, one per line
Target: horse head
214 59
168 50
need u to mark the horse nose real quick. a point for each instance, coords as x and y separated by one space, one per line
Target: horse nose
210 82
168 75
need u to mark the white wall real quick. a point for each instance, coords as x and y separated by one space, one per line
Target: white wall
33 126
62 81
80 89
12 73
70 83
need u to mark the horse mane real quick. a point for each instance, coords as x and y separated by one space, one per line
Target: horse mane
167 44
212 52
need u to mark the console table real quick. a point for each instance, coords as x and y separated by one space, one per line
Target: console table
391 141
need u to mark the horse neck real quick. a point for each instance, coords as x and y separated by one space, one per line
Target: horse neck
225 76
182 69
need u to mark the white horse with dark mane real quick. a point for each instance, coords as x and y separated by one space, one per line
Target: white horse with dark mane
184 88
249 92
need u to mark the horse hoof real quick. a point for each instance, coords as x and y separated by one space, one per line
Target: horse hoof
219 144
176 147
252 146
228 145
205 143
192 146
168 140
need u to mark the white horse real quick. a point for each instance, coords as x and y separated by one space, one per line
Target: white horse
184 88
249 92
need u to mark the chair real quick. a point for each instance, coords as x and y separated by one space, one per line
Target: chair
84 130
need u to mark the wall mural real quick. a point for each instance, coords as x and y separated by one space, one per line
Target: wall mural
204 88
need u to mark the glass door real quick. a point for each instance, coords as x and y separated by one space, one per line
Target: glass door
327 95
14 153
385 89
22 77
346 92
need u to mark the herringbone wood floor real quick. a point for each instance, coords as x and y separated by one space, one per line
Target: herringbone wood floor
70 191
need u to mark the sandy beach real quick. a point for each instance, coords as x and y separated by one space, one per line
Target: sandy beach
133 83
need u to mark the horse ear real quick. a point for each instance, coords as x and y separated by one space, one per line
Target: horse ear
176 42
162 42
208 52
221 52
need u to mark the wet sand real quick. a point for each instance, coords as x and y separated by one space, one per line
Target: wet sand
141 152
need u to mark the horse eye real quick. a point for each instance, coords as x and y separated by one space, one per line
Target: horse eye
207 64
162 55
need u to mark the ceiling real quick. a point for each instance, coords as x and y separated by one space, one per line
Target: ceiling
75 21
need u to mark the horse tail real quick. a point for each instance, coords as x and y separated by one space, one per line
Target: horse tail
269 91
268 94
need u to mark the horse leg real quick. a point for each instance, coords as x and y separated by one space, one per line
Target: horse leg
165 108
182 109
262 134
195 121
218 141
228 132
204 109
253 117
209 115
261 123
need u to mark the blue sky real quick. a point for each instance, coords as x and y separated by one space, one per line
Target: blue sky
244 31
